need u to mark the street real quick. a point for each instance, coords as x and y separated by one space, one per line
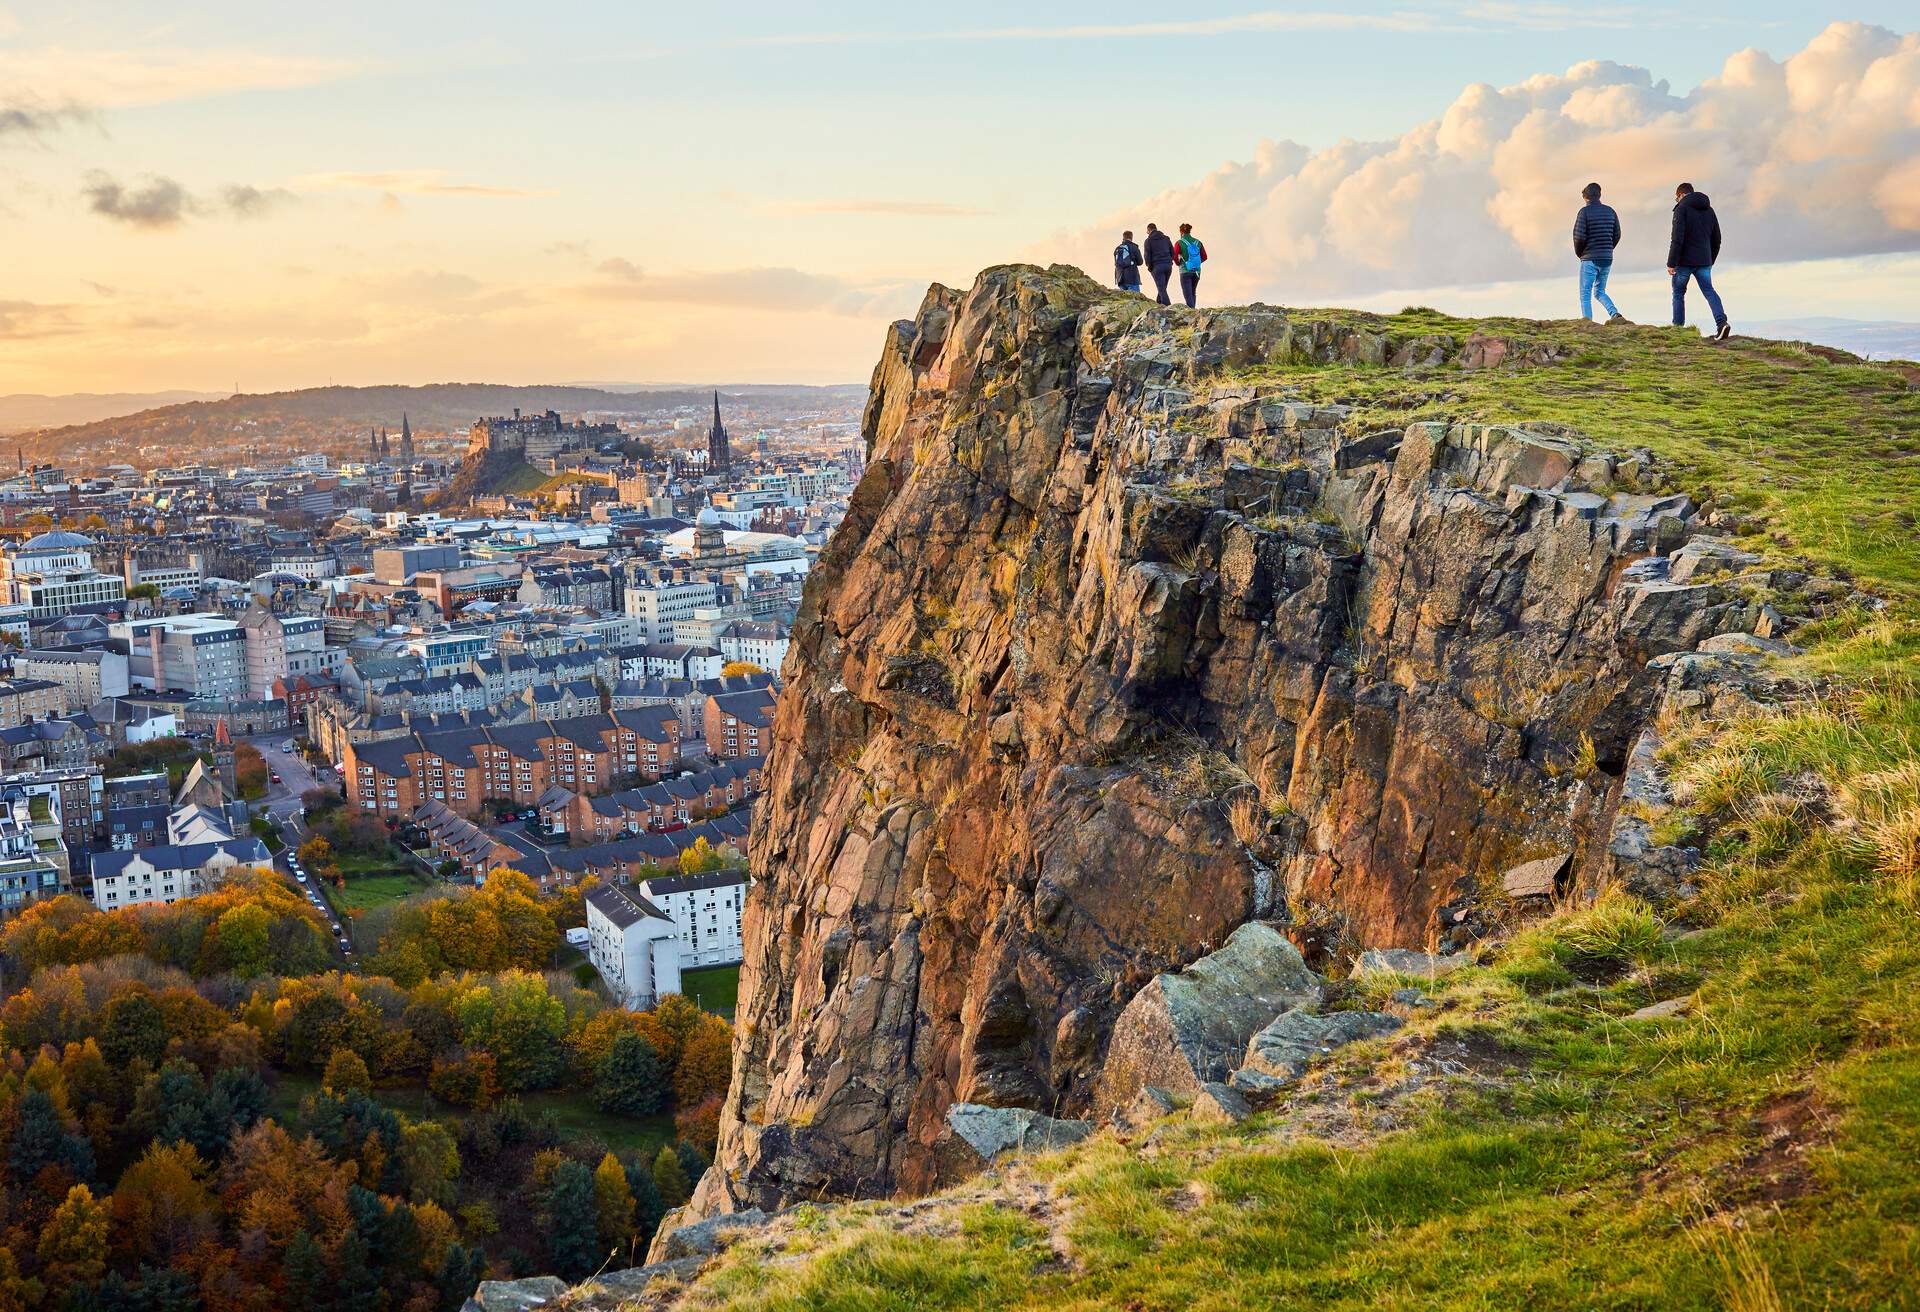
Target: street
283 807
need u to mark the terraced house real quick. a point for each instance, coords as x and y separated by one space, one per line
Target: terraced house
468 767
656 806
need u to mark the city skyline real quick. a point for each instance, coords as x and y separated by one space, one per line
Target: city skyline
232 200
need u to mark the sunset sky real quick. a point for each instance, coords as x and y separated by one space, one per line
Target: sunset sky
265 196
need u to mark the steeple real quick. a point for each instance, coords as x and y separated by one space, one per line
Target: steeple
719 459
224 764
406 438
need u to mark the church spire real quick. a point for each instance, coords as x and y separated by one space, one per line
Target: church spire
719 458
406 438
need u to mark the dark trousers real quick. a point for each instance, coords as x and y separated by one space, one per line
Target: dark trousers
1161 272
1189 285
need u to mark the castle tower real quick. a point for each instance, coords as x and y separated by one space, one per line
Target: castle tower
719 459
224 764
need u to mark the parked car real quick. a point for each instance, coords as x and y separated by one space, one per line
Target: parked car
273 775
297 875
286 746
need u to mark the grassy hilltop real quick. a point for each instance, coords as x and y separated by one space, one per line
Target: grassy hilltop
1523 1142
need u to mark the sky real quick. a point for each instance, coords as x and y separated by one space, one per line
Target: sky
240 196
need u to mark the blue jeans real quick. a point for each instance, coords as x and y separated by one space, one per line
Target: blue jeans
1593 282
1704 276
1132 286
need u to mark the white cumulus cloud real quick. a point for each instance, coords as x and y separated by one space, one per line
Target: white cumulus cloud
1811 157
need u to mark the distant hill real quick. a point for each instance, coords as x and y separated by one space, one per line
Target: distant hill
24 411
322 417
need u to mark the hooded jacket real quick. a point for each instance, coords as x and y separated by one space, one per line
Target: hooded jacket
1696 233
1159 251
1126 264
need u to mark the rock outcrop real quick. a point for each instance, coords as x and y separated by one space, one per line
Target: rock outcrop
1120 648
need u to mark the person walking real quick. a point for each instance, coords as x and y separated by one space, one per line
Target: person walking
1691 253
1189 253
1596 231
1159 257
1126 264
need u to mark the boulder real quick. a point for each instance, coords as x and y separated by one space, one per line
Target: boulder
515 1295
1663 1010
622 1291
1220 1102
1279 1054
1189 1027
1539 878
975 1137
1403 961
1704 557
702 1239
1149 1105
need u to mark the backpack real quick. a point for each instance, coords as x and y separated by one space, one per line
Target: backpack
1123 257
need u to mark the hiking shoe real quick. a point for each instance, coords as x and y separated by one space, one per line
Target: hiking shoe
1723 332
1619 318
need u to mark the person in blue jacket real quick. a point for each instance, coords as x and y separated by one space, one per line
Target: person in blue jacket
1126 264
1596 231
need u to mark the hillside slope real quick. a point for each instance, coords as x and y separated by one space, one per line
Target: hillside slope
1148 623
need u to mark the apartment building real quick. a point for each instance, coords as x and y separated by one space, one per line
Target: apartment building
204 656
633 945
87 676
740 724
285 648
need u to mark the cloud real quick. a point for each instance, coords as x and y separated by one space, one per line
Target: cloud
110 79
21 320
927 209
161 202
408 182
27 119
778 289
1807 158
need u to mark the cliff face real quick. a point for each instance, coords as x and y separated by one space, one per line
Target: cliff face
1114 653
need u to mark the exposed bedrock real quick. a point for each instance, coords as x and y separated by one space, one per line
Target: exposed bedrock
1121 648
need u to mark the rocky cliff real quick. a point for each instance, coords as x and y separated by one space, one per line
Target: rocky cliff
1120 648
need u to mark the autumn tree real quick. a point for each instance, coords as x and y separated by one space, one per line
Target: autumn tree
733 669
162 1206
346 1073
613 1203
73 1246
706 1062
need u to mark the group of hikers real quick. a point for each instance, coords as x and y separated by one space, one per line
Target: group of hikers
1691 251
1159 257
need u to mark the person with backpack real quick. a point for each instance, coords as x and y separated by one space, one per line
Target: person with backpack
1159 258
1189 253
1126 264
1691 252
1596 231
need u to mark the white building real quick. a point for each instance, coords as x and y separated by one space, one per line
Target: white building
203 655
53 574
201 851
658 600
632 943
705 910
762 642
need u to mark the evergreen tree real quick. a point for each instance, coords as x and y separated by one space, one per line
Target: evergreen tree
304 1268
572 1222
168 1289
459 1274
630 1080
692 1161
41 1139
670 1178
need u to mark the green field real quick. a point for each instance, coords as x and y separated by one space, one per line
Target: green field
364 892
717 988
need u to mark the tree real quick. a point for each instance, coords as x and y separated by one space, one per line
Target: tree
239 940
133 1027
93 523
316 854
630 1080
465 1079
17 1293
162 1206
144 592
613 1203
73 1246
346 1073
705 1067
428 1163
304 1268
734 668
670 1178
700 858
250 771
572 1222
42 1137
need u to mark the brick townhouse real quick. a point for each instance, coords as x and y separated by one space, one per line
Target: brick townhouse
654 806
739 724
468 767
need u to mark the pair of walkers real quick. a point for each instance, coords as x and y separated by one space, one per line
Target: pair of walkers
1160 257
1692 248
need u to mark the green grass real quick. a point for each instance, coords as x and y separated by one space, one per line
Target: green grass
717 988
364 892
518 480
1765 426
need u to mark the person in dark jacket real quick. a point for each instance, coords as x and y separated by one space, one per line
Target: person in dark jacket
1596 231
1126 264
1159 257
1691 252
